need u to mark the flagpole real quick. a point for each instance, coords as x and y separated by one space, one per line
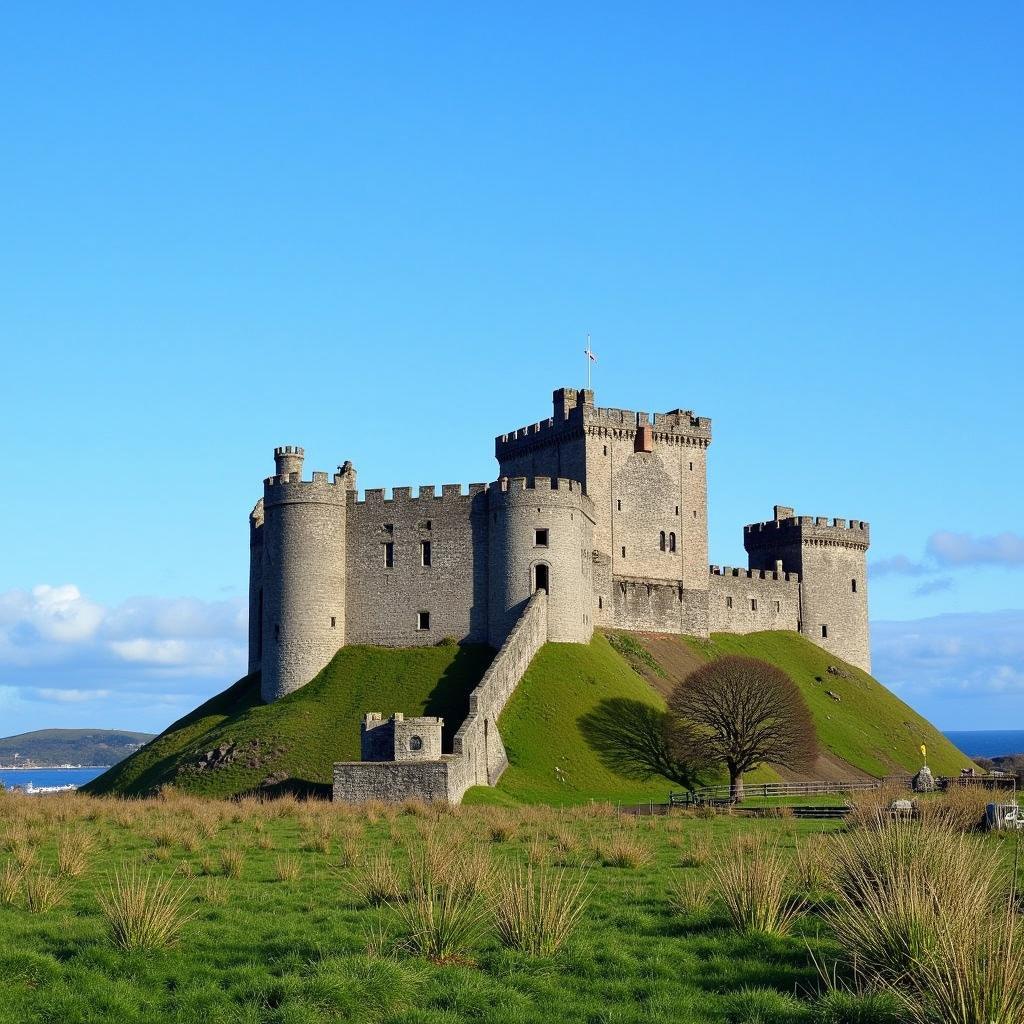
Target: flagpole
589 360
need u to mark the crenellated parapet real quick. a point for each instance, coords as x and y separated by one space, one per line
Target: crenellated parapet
754 574
426 494
575 416
813 530
528 490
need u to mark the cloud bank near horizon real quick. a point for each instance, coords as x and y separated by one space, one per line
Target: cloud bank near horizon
945 551
138 664
67 660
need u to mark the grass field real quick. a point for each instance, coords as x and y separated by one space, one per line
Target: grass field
284 920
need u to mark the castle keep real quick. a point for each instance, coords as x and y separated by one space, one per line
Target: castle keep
598 518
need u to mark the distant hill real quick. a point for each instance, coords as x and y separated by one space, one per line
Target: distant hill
47 748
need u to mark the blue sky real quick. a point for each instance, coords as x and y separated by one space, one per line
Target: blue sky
383 234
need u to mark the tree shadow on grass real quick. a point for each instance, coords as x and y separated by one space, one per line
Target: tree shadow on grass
628 737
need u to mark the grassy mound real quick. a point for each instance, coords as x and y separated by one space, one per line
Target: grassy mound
868 727
579 727
291 745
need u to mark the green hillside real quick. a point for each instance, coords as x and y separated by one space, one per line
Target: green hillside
290 745
46 748
584 723
869 727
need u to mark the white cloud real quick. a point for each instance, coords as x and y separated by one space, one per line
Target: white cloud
58 647
977 654
963 549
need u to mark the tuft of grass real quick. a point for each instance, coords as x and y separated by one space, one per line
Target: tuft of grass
12 877
690 897
73 850
624 851
753 882
536 911
231 862
377 882
143 912
287 869
44 890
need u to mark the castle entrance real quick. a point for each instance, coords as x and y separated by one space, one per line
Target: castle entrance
540 577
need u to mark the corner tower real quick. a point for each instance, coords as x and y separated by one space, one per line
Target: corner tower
830 556
300 595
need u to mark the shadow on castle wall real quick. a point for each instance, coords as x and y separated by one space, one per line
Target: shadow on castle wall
449 699
628 737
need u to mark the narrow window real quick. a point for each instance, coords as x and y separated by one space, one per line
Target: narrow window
389 555
540 538
853 586
623 552
600 603
778 606
691 467
618 505
824 632
388 527
671 542
424 552
334 622
423 620
694 513
606 449
728 602
661 540
426 524
753 604
677 510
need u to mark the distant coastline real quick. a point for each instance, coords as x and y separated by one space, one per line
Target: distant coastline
987 742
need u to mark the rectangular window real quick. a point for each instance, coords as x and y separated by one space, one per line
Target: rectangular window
853 586
824 632
728 602
389 555
424 552
600 603
677 510
423 620
623 552
778 606
426 524
334 622
753 604
606 449
388 527
691 467
618 505
540 538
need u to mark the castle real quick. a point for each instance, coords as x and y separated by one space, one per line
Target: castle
598 518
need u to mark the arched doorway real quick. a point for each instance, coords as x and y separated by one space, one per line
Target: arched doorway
540 577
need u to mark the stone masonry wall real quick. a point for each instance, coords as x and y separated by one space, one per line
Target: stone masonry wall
648 606
478 756
383 602
752 600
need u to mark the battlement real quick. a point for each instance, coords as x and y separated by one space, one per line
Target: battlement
373 496
290 449
793 529
753 574
575 412
530 489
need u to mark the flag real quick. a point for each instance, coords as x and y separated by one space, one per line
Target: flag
590 354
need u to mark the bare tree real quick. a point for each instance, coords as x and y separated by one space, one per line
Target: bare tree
740 712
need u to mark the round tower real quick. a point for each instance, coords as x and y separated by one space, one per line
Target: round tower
288 459
303 577
541 538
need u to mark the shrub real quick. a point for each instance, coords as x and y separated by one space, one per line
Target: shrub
142 912
753 883
536 911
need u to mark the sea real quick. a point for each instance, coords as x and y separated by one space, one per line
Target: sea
987 742
41 777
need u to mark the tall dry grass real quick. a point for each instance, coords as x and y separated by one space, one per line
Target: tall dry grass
753 882
143 912
535 911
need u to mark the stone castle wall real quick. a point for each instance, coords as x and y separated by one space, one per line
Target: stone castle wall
384 601
752 600
478 755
